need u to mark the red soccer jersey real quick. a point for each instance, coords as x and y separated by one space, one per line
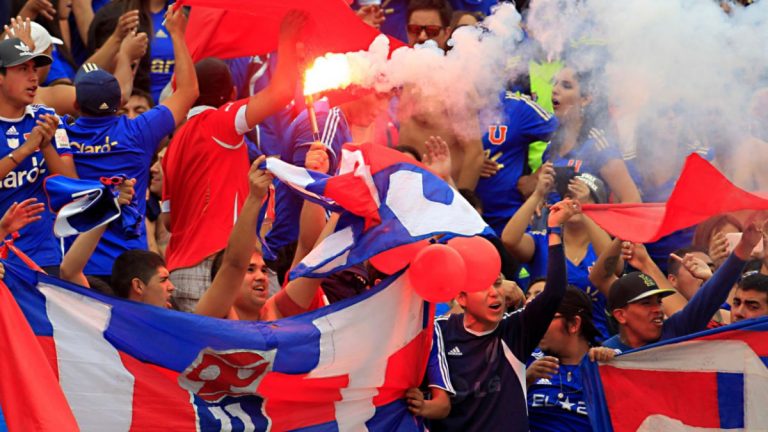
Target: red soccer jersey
205 182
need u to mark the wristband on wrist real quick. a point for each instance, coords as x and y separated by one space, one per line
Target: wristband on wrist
555 230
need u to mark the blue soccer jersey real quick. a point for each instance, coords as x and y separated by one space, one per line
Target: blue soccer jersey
334 133
578 276
589 156
162 59
507 144
106 146
26 181
557 404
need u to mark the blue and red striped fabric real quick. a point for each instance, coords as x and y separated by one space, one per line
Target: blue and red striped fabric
716 380
389 200
126 366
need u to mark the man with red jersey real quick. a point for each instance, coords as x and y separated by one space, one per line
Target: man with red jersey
206 167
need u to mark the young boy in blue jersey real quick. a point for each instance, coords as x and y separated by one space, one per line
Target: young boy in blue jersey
33 146
507 144
105 144
555 390
635 301
486 348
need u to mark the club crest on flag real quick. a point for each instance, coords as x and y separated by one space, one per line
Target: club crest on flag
215 375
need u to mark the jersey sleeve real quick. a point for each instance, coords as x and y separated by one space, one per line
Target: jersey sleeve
152 127
438 374
227 124
532 121
165 204
601 151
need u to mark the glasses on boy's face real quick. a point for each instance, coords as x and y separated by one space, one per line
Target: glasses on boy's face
430 30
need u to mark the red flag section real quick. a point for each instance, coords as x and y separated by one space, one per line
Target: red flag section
239 28
30 396
700 193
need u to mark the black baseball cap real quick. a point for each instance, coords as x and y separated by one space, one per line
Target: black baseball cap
596 187
96 90
633 287
14 52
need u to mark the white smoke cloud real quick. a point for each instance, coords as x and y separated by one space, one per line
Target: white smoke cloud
686 55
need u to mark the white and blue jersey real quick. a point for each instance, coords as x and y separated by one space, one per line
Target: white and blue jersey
26 181
578 276
557 404
334 133
162 59
507 144
106 146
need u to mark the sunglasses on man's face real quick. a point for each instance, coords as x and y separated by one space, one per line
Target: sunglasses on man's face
430 30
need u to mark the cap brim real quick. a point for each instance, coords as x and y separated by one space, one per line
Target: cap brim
660 292
39 59
56 41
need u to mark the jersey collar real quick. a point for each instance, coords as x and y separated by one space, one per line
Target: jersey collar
28 111
197 110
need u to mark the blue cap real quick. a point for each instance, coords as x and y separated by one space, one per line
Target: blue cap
97 91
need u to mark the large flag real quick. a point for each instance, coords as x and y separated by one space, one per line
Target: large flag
123 365
391 200
240 28
713 380
700 193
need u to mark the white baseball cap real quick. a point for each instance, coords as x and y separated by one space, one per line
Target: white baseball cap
42 38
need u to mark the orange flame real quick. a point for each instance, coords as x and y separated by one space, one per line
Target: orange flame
329 72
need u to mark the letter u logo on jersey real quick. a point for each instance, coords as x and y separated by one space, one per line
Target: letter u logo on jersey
497 134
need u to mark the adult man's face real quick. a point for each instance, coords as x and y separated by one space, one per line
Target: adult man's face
135 106
749 304
425 24
641 320
255 287
157 291
19 84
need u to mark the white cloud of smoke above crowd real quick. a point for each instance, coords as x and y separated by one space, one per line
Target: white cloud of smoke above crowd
647 57
661 55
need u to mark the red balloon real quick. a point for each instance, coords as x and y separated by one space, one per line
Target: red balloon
390 261
434 273
481 259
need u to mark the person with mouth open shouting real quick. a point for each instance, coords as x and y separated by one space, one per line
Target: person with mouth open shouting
486 348
635 301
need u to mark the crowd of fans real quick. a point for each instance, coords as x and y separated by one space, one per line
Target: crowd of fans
85 91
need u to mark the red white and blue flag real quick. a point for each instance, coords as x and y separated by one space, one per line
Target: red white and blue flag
390 200
713 380
76 359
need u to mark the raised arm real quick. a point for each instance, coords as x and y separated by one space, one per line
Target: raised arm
707 300
539 312
278 93
78 255
186 79
607 266
219 298
517 243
